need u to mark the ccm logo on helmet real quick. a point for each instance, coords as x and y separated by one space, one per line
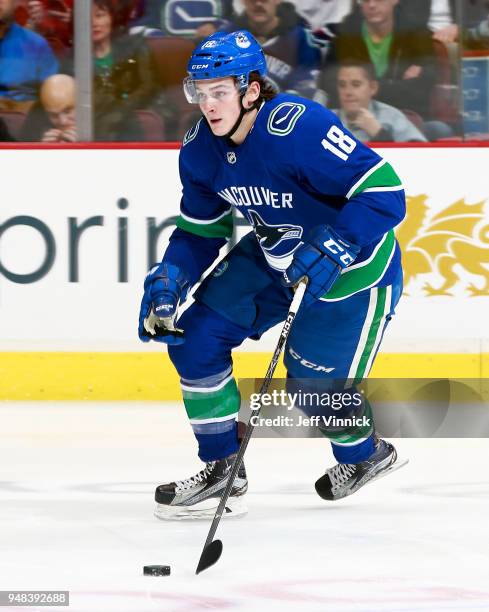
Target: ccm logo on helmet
199 66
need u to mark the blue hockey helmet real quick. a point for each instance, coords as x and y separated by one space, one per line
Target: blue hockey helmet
225 55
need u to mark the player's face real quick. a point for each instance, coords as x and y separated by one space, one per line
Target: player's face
219 103
355 90
378 11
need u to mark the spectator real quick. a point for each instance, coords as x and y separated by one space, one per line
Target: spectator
404 61
320 13
437 16
367 118
129 11
52 119
124 77
293 60
53 19
26 60
475 19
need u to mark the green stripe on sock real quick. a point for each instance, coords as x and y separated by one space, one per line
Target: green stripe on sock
223 228
353 434
355 280
385 176
372 334
212 405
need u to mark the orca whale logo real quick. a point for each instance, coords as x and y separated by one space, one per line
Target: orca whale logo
269 236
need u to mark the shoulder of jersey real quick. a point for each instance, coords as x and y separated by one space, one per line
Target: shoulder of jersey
197 147
196 133
288 116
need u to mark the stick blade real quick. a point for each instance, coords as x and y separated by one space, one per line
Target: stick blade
209 556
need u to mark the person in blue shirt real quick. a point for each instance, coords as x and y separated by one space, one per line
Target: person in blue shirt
26 60
321 205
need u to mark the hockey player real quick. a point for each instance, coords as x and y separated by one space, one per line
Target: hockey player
322 206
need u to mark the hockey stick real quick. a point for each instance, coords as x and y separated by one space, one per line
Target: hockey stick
213 548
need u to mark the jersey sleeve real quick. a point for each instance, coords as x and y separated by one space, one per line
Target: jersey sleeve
203 226
365 188
202 212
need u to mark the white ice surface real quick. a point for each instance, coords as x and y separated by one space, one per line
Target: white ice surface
76 503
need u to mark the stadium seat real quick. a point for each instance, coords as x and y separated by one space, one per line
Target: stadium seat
484 137
14 120
445 103
450 139
152 125
414 118
171 54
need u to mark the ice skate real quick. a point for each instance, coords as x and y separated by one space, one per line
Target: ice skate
344 479
198 496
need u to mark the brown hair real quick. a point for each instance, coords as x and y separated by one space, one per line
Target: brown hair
118 11
267 89
367 68
105 5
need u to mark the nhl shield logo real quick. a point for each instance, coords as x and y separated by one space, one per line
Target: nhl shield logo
231 157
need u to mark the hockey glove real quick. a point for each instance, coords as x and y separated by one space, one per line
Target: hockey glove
321 259
165 287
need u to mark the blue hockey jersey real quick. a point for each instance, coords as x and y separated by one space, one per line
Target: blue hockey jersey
298 168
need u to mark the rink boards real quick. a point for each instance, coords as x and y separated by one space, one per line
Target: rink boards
78 227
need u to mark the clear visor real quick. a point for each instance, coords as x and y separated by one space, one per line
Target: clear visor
199 91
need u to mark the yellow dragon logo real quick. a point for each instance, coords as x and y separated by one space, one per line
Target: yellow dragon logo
454 239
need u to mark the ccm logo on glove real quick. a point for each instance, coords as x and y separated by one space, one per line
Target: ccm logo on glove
321 258
336 249
165 307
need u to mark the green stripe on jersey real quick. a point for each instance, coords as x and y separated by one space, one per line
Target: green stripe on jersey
202 405
222 228
355 279
384 176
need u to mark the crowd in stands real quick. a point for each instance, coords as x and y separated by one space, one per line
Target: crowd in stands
389 68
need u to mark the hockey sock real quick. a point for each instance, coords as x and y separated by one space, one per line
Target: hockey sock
354 453
354 443
212 410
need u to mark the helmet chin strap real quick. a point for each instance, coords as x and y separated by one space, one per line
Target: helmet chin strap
242 113
256 105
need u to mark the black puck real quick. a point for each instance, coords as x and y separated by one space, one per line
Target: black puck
156 570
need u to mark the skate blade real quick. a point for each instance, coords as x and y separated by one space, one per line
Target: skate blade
399 463
204 510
